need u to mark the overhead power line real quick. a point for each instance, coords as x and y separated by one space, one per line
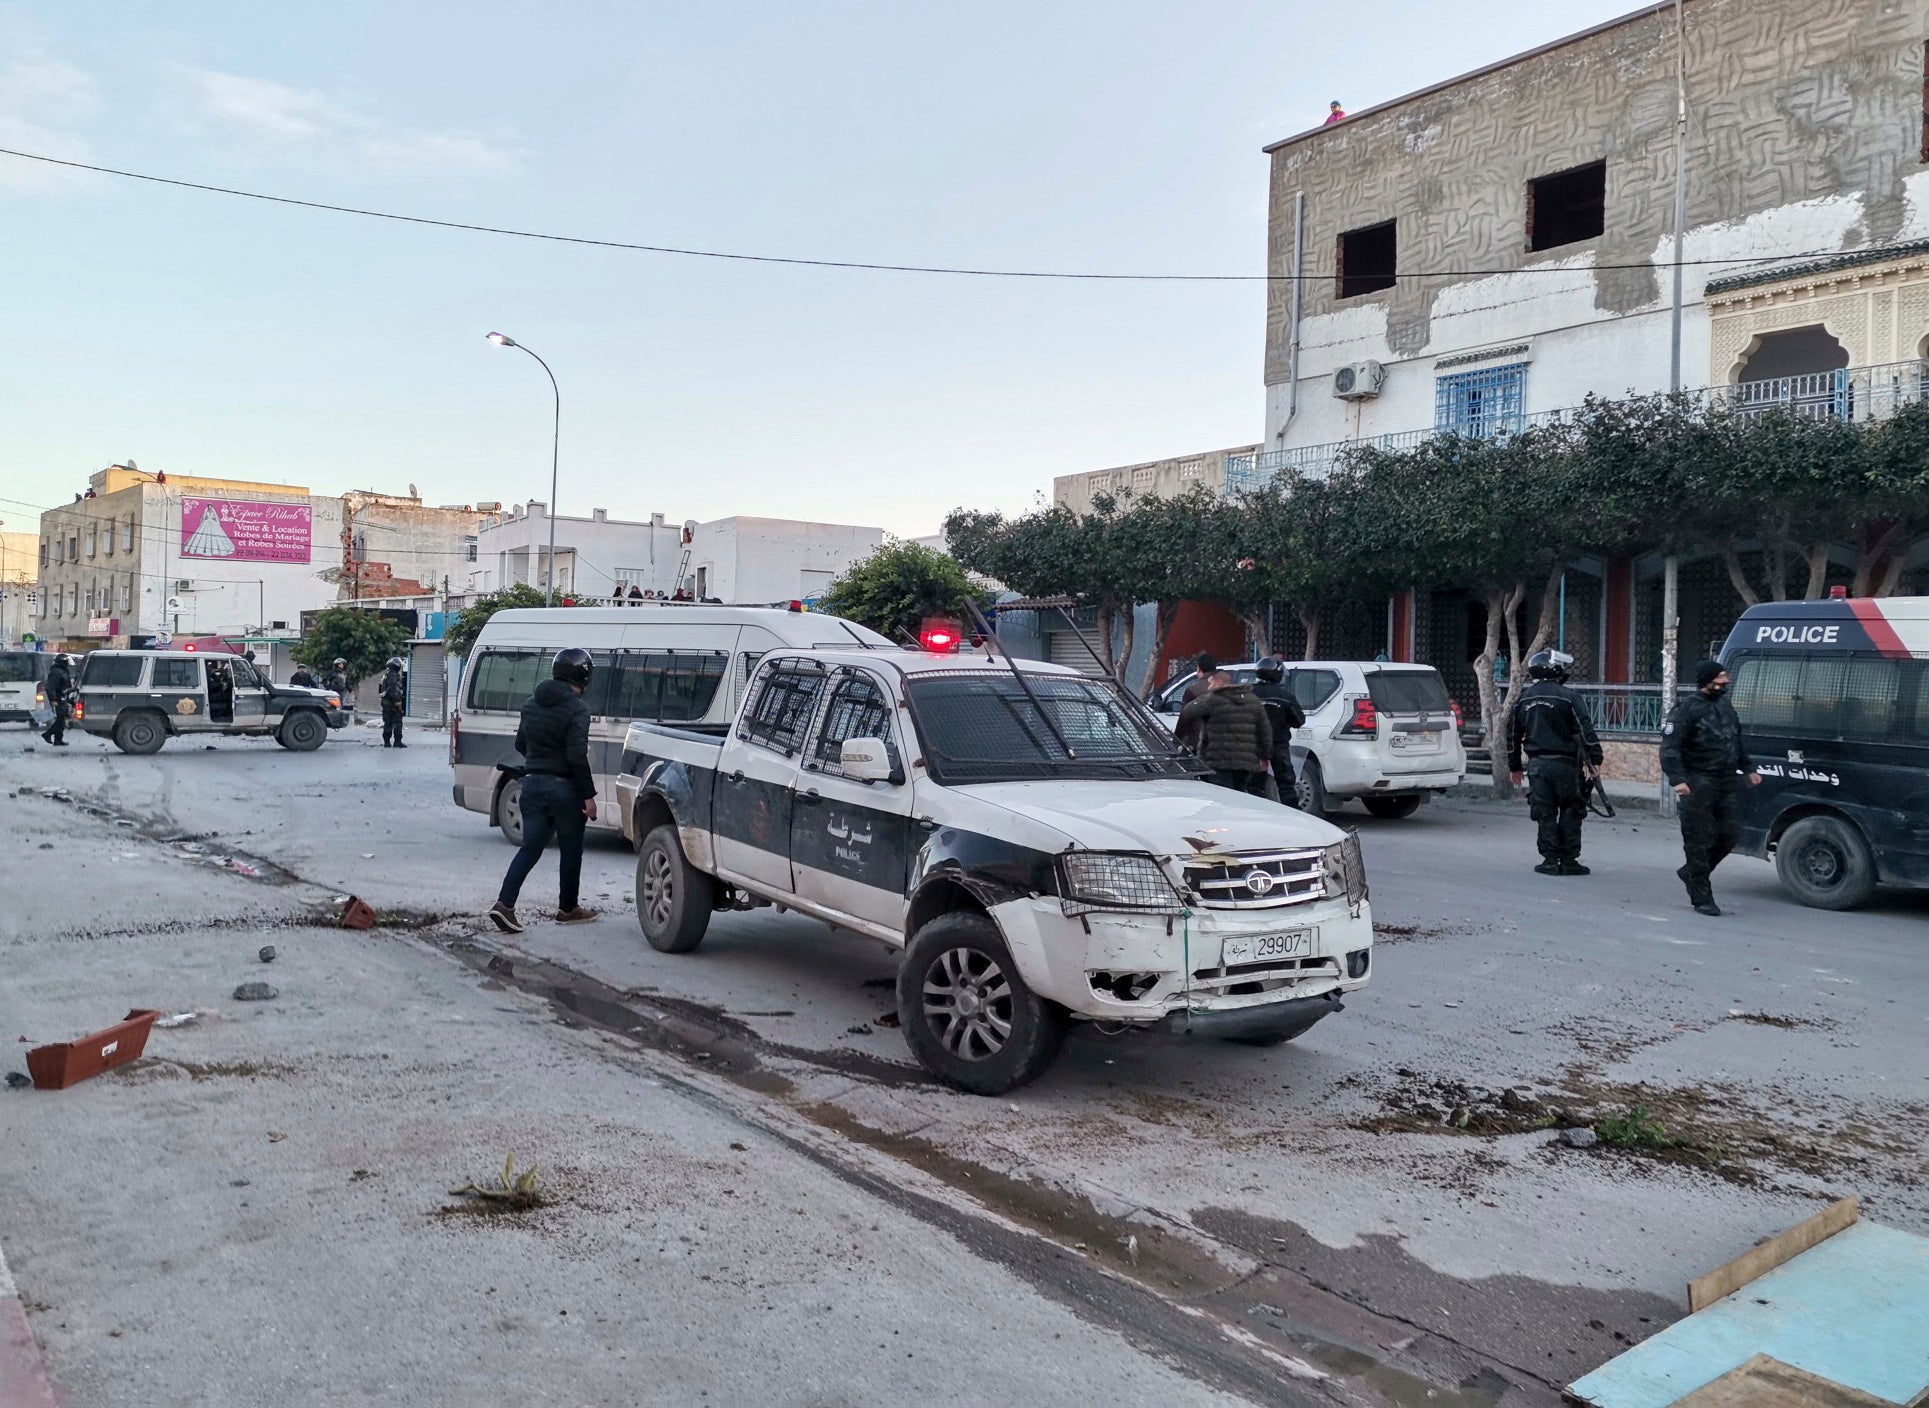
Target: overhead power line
859 264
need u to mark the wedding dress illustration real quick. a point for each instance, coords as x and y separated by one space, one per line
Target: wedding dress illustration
210 538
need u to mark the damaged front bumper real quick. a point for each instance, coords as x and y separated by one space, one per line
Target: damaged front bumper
1276 1021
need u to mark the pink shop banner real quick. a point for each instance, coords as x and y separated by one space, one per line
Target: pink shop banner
241 530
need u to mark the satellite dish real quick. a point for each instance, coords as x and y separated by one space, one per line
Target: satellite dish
132 468
414 493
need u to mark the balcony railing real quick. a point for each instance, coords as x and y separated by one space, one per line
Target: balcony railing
1621 710
1851 394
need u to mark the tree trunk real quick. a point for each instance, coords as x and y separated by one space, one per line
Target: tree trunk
1256 623
1892 575
1163 614
1737 578
1309 617
1818 571
1123 660
1492 721
1516 677
1778 568
1547 628
1104 641
1873 557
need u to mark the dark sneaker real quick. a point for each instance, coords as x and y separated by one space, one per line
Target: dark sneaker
1709 908
1574 867
504 918
578 915
1548 867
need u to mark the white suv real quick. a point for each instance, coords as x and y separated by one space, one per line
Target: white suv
1385 733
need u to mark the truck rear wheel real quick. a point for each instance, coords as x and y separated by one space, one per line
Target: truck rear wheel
1824 862
1313 799
509 811
674 899
141 732
302 731
968 1016
1392 808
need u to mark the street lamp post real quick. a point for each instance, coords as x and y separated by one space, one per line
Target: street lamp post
555 445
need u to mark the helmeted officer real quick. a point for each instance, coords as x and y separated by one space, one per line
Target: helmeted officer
1284 714
60 698
1548 726
394 694
1704 757
337 679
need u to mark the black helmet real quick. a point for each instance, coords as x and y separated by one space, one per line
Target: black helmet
1272 669
572 666
1548 665
395 662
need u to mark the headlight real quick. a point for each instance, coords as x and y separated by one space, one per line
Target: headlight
1345 870
1102 880
334 701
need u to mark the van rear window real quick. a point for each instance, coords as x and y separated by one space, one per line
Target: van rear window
19 669
1407 691
503 680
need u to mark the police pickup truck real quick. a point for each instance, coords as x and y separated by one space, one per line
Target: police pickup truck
142 698
1026 836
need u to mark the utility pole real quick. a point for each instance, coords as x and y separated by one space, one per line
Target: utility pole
1671 569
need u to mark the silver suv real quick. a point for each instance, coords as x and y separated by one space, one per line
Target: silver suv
141 698
1387 734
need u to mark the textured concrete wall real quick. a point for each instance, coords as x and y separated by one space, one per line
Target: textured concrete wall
1791 101
1155 478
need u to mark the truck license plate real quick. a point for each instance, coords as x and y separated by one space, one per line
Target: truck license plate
1268 948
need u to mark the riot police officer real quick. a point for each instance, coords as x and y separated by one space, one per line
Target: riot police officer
394 694
1704 757
1285 715
1548 727
336 680
60 698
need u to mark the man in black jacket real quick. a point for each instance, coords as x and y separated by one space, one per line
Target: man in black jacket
1704 758
394 694
1548 726
1284 715
60 698
558 788
1233 736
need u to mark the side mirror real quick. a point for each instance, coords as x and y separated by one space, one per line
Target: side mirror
868 760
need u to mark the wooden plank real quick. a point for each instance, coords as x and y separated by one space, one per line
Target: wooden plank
1783 1247
1768 1383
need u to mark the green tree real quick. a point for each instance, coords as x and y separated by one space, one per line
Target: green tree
460 637
896 587
362 638
1053 552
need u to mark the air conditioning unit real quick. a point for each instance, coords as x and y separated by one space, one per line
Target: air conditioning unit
1359 381
184 584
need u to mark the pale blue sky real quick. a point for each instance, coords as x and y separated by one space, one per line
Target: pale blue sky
202 334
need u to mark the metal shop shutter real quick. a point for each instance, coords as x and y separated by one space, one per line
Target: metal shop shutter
428 681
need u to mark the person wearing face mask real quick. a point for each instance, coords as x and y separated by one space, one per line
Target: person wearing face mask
1705 758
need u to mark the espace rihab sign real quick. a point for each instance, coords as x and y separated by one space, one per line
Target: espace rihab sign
245 530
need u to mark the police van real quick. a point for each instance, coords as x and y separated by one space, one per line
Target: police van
661 663
1834 702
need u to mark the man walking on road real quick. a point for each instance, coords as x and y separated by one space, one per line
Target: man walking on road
394 694
60 698
1548 726
558 789
1284 715
1232 736
1704 758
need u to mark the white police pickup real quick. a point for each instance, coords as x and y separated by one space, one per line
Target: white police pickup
1024 833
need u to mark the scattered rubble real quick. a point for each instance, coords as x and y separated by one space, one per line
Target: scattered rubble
255 992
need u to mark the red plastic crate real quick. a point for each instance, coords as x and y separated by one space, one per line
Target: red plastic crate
67 1063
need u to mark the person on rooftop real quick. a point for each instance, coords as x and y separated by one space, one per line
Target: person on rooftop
1334 113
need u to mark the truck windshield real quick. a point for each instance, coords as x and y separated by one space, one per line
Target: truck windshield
982 726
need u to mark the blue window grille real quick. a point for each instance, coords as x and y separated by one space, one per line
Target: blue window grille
1483 403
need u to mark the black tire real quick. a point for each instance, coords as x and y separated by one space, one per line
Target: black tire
1392 808
674 900
302 731
1312 788
1824 862
509 811
1009 1035
142 731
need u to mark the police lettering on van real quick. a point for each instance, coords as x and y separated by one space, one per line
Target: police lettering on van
1834 702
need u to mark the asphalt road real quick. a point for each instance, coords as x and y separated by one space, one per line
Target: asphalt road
1377 1212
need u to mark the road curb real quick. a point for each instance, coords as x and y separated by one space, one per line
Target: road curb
23 1377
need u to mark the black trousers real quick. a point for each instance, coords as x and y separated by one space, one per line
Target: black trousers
1252 783
1558 803
57 730
391 723
1710 825
550 807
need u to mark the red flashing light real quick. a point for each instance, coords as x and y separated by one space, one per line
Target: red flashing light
1839 593
795 606
1365 720
1459 719
941 637
190 646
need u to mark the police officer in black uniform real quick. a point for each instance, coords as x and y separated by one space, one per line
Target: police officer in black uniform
60 698
1549 727
1704 758
394 694
1285 715
337 680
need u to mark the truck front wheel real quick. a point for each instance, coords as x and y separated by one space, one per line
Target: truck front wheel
673 898
968 1016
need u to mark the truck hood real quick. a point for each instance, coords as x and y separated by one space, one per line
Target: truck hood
296 691
1166 818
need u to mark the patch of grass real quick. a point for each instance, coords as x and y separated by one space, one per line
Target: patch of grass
509 1192
1635 1128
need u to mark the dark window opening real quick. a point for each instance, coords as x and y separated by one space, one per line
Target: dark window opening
1367 260
1567 207
1925 102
